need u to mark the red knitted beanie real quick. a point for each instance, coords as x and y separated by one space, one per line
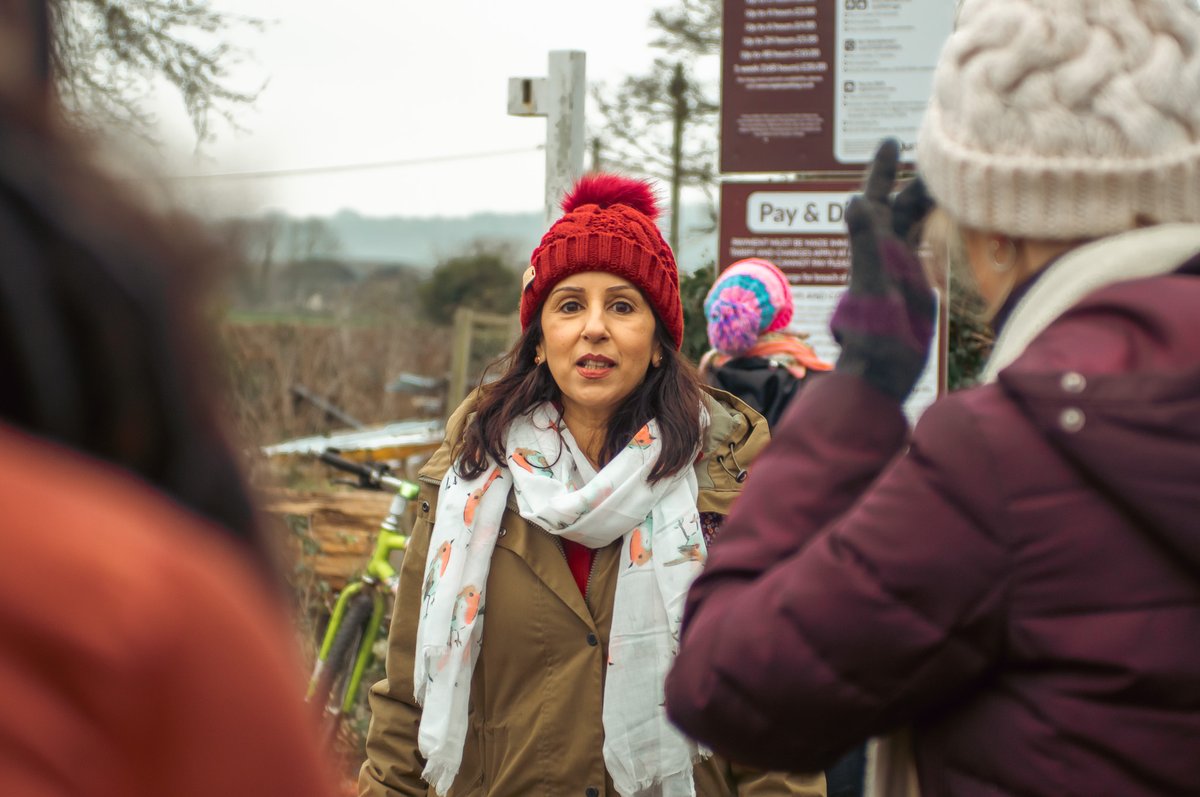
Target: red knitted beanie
608 225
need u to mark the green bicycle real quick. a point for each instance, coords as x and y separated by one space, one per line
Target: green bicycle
347 647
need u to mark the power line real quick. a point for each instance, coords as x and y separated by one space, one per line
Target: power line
353 167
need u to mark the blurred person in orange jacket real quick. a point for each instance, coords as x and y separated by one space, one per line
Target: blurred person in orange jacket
143 646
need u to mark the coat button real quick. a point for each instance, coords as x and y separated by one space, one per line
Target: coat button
1073 382
1071 419
425 507
591 791
592 640
503 531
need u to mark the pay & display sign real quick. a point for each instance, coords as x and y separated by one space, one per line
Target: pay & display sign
801 228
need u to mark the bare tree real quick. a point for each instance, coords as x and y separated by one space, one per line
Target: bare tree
663 124
311 238
255 243
691 27
107 55
639 119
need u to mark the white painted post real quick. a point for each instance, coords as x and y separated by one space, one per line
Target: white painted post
564 126
559 97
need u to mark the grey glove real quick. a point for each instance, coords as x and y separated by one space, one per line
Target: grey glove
884 321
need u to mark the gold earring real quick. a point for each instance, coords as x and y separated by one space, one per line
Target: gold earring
537 360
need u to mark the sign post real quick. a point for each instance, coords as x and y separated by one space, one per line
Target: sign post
809 89
560 97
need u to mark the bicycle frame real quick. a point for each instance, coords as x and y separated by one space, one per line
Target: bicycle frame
377 573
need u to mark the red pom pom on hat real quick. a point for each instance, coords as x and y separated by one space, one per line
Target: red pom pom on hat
606 190
608 225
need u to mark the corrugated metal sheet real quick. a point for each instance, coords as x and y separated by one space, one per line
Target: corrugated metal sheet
390 441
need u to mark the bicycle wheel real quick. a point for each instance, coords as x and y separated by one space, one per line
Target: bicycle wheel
331 687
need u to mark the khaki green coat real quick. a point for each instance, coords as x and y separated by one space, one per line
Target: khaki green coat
535 707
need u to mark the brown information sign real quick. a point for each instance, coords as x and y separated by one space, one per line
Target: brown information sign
814 85
800 227
776 86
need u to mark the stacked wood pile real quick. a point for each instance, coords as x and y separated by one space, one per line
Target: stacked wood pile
333 533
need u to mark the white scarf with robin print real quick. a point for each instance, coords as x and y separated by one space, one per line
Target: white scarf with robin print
556 488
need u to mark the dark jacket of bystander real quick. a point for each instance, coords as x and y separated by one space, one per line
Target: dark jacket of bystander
1021 586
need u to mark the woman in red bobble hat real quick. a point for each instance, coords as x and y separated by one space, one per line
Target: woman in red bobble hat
571 506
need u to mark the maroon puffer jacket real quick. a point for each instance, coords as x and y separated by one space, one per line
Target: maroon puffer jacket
1021 586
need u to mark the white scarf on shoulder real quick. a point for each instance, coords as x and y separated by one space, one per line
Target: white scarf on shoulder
662 552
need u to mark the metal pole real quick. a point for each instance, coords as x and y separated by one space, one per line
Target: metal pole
597 147
326 406
678 91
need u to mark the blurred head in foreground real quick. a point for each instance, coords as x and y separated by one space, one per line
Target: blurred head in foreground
101 342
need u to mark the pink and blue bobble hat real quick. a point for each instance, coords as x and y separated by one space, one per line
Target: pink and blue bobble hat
749 299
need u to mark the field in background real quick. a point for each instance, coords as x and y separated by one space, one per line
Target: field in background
347 365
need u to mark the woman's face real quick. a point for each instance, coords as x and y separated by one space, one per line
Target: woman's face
598 341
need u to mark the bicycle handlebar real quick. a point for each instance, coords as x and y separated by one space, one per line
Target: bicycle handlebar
369 476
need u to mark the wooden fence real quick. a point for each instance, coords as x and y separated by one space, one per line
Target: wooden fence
479 338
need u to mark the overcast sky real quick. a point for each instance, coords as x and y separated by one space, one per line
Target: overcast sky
358 81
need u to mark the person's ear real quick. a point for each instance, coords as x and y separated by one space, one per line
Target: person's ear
539 354
656 356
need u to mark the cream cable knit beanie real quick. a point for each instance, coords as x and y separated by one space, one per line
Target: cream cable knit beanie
1064 119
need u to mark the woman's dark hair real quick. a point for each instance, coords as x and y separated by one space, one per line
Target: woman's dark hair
100 325
670 393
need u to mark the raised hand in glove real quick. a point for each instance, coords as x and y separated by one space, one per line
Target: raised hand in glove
884 321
